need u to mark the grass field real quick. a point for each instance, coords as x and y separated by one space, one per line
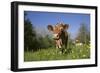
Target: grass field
74 52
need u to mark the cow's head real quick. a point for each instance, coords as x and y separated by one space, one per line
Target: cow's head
58 30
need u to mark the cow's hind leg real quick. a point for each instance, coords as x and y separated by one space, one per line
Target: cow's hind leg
66 46
62 50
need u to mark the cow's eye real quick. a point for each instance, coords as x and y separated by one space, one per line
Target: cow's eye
61 28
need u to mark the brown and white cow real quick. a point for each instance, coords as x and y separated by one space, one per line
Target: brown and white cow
60 35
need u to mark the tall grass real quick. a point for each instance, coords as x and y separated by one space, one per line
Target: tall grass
73 52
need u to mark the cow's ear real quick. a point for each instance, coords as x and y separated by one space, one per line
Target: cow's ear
50 27
66 26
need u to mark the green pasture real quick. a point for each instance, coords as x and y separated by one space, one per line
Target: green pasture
73 52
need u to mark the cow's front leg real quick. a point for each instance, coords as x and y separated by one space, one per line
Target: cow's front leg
61 46
58 47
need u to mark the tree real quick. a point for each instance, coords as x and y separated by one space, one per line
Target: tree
83 34
32 40
29 34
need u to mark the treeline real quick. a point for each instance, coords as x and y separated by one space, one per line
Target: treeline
83 34
32 41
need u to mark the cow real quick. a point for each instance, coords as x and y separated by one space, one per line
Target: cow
60 35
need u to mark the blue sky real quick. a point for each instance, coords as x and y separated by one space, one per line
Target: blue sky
41 19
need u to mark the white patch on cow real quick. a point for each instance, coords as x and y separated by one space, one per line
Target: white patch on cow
55 35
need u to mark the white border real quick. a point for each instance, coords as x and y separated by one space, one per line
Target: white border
34 64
